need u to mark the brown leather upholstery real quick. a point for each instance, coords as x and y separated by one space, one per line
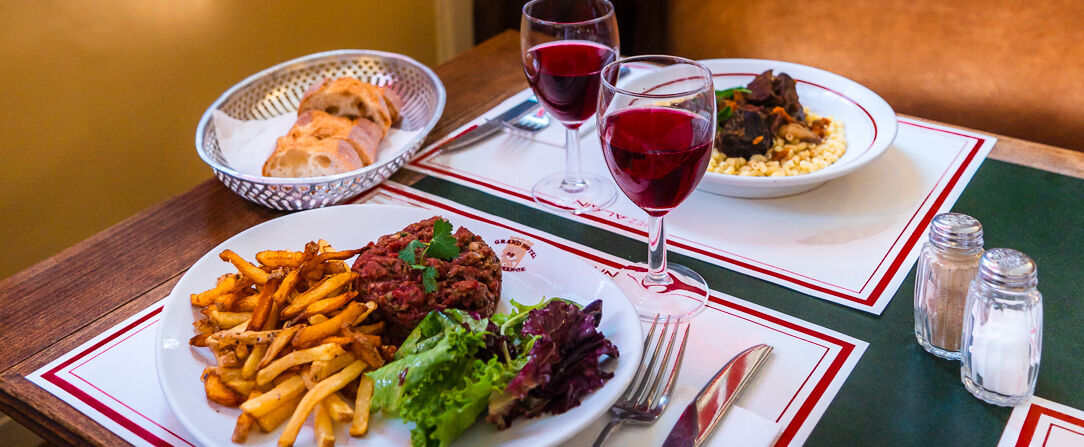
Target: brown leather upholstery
1015 68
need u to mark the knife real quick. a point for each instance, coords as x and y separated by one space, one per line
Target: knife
704 413
491 126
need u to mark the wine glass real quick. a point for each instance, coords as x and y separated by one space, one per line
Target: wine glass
565 44
657 129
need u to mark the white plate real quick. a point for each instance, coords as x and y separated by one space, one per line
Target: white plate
551 272
869 123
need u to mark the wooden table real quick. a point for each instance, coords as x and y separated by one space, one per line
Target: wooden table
60 303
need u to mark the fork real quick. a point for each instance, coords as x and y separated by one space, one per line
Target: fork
529 123
643 401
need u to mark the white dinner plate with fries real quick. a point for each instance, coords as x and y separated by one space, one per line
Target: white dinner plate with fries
544 271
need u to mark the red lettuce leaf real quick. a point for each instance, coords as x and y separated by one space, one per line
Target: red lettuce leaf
563 366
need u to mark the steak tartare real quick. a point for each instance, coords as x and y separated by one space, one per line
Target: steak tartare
471 281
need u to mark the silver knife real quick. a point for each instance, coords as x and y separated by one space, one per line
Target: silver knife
704 413
492 126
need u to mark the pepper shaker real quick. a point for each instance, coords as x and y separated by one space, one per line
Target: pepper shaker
948 262
1002 336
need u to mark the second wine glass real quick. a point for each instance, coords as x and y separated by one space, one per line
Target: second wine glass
565 44
657 129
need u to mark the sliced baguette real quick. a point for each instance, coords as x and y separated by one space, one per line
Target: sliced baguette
321 144
310 157
352 99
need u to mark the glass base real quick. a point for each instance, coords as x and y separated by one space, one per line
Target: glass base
992 397
589 194
939 352
684 297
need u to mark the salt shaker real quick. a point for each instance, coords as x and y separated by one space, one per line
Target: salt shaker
948 262
1003 329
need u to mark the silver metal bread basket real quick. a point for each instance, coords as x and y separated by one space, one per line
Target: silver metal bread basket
278 90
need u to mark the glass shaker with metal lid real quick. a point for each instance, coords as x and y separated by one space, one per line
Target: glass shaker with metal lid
1003 329
948 262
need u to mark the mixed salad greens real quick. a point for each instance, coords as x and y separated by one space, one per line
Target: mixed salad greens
456 365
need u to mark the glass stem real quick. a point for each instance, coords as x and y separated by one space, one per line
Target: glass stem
573 179
656 252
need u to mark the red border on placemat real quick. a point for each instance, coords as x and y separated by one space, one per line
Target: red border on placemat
1050 430
52 377
779 272
846 348
1031 422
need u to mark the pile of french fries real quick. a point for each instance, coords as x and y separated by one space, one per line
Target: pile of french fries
290 340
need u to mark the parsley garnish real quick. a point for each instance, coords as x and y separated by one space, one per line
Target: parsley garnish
724 115
726 112
729 93
442 246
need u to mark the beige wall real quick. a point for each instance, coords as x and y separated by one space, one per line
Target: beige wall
101 98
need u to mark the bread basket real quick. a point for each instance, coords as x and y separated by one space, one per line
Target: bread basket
278 90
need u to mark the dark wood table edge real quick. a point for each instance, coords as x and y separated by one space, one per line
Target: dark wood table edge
63 424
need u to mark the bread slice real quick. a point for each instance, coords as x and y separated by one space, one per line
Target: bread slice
365 135
319 125
352 99
311 158
321 144
394 103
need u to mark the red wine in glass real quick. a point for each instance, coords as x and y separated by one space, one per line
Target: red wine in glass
656 155
564 44
565 76
656 128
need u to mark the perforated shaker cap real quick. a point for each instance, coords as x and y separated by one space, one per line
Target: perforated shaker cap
1006 267
955 230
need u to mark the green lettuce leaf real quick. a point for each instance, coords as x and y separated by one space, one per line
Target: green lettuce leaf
438 381
440 418
421 372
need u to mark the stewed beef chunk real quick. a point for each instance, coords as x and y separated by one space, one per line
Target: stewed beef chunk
771 91
748 132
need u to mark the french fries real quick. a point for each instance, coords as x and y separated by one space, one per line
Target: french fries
328 305
218 392
244 423
323 427
280 258
322 369
310 335
225 285
229 319
270 421
314 396
325 287
263 305
323 352
288 389
288 335
335 405
281 341
252 363
248 270
360 425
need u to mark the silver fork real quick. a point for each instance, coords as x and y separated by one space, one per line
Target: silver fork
643 402
529 123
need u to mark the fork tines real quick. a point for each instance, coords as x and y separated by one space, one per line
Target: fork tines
649 394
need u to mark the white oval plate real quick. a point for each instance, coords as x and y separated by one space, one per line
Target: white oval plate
869 123
549 272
